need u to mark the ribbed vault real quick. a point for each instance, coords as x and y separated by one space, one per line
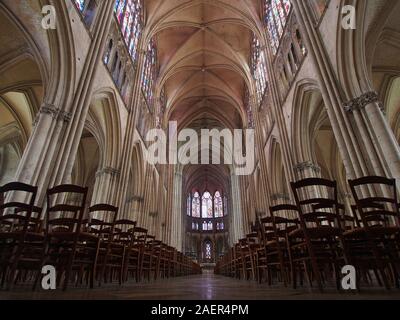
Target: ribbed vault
203 52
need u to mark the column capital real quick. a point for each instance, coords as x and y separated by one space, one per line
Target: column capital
135 198
362 101
153 214
109 171
300 167
54 112
280 196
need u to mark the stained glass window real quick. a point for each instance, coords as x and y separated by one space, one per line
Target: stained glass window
129 16
149 72
225 206
207 206
276 16
188 206
196 205
195 226
259 68
80 4
210 226
108 52
87 8
208 250
220 226
218 206
205 226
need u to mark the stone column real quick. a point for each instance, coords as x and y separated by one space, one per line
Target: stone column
50 154
377 136
237 218
306 170
365 141
176 219
276 106
106 179
265 192
126 162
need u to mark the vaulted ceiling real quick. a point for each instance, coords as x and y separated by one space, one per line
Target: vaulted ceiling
203 51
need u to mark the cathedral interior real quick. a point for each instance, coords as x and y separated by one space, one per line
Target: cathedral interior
316 82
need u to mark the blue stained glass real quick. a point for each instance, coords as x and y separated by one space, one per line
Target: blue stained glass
259 68
196 205
80 4
208 249
207 206
218 207
129 16
149 72
276 16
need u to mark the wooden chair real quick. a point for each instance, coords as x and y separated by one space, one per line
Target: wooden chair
134 253
69 248
164 261
238 261
101 222
277 228
247 249
323 245
377 205
150 256
21 243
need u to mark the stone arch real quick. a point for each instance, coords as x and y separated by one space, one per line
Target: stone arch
278 182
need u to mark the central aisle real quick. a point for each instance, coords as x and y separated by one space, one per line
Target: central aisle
202 287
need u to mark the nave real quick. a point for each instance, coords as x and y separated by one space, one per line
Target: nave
207 286
79 104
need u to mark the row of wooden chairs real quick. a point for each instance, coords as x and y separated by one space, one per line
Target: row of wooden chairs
83 247
316 237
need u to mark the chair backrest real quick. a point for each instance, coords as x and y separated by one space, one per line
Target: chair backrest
35 222
376 201
141 236
356 215
266 230
348 221
65 208
252 238
102 219
285 218
311 193
124 232
17 206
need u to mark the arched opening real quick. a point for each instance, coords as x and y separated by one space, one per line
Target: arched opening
21 93
87 166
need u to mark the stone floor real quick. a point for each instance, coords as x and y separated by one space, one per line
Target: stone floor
202 287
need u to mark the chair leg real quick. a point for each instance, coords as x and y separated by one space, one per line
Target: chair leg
68 270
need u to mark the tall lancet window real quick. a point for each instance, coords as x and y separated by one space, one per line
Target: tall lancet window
207 206
250 115
80 4
130 19
188 205
276 16
149 72
196 205
259 68
218 205
87 8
